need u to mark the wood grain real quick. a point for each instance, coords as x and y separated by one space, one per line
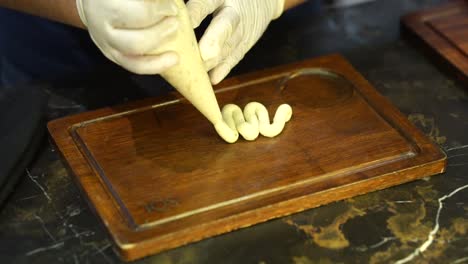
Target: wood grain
443 31
158 176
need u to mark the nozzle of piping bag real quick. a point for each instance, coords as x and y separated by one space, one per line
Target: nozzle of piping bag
189 76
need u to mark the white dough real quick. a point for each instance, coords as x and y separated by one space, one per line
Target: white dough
252 122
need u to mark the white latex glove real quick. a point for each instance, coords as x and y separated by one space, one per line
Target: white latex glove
127 30
236 27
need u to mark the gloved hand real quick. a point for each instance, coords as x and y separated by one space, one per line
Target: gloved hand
126 31
236 27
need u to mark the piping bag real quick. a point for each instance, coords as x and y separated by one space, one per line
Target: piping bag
189 76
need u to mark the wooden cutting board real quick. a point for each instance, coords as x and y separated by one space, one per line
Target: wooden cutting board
443 30
158 176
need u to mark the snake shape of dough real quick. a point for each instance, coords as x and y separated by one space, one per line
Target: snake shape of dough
252 122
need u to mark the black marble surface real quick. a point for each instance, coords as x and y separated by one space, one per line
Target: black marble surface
47 221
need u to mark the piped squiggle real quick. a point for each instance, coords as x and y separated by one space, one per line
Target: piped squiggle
254 120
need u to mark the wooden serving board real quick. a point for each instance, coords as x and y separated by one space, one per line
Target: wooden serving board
158 175
444 31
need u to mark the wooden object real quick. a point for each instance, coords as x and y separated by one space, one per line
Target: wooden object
443 30
158 175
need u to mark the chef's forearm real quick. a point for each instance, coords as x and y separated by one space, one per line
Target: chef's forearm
292 3
63 11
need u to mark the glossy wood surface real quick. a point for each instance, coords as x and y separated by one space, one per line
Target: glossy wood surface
159 177
444 32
